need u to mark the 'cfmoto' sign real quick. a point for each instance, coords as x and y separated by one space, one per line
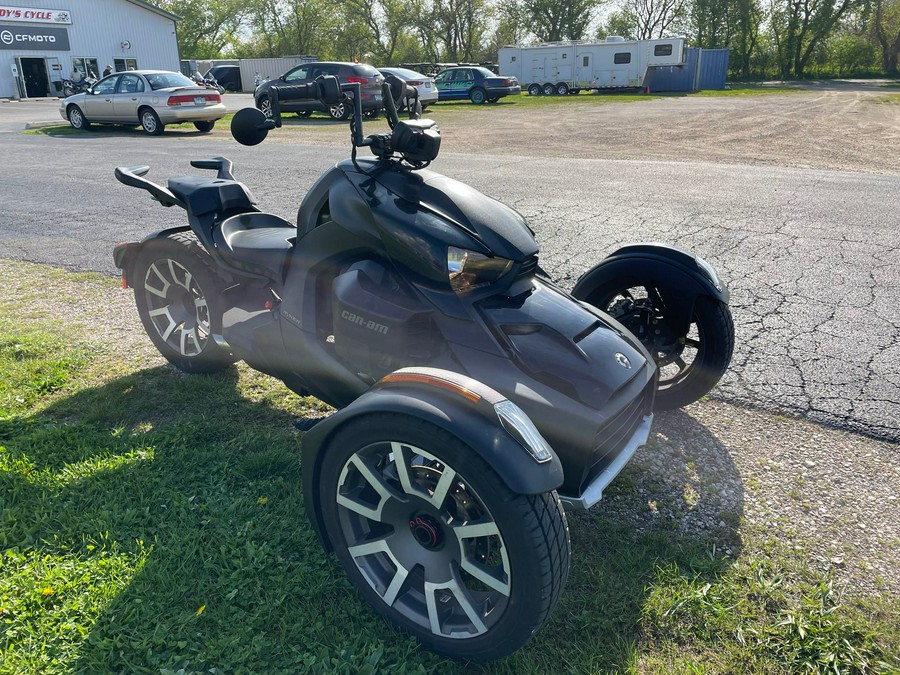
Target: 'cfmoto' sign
34 38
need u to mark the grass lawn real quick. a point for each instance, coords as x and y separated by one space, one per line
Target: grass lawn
153 522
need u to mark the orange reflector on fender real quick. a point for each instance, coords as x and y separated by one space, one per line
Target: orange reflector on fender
419 378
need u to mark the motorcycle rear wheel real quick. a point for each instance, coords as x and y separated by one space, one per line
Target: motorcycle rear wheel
175 290
436 542
690 365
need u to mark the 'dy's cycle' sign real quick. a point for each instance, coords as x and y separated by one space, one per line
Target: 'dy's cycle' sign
34 14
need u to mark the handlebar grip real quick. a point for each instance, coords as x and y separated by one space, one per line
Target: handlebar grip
298 92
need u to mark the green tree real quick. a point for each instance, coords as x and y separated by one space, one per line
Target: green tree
749 17
799 27
555 20
386 23
208 28
885 28
620 22
451 30
292 27
655 17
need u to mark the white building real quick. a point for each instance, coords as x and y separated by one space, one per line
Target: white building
44 41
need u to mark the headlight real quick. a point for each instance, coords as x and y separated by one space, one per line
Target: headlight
520 427
469 270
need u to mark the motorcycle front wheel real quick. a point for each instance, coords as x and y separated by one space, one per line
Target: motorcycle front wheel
689 365
175 291
436 542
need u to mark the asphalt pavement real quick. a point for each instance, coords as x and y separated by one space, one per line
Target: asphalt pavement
811 256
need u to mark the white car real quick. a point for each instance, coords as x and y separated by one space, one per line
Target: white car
428 93
151 98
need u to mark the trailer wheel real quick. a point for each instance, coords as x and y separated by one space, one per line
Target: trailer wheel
535 89
562 89
549 89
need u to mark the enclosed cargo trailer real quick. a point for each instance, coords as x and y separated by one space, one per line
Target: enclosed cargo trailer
558 68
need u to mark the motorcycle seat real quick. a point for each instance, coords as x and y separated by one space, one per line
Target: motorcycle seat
256 242
203 195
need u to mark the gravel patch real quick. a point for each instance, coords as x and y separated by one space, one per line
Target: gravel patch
716 471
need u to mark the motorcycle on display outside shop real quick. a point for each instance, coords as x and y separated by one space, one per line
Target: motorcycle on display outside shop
70 87
208 81
475 398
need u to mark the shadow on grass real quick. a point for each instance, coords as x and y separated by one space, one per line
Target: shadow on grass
196 490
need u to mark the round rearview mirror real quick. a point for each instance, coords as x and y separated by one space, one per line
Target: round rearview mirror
248 126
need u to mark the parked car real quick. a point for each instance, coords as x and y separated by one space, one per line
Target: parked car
424 84
151 98
474 83
367 76
229 76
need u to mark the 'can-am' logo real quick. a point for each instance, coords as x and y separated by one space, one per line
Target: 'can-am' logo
6 37
364 322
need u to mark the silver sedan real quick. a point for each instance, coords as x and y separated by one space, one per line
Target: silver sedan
428 93
151 98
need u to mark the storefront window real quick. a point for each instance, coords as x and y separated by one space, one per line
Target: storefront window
122 65
84 66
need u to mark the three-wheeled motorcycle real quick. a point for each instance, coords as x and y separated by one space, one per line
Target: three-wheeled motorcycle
475 398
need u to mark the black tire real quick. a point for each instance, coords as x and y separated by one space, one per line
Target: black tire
341 112
535 89
205 126
549 89
708 344
562 89
77 119
150 122
175 290
303 114
69 91
477 96
373 114
265 105
392 535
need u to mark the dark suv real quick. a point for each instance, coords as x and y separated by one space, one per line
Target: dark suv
369 78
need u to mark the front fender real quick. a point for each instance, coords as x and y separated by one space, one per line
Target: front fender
474 422
679 276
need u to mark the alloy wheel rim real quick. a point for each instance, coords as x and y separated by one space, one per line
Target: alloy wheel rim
423 539
177 307
675 357
149 122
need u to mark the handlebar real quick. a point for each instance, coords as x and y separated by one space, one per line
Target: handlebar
417 141
324 89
